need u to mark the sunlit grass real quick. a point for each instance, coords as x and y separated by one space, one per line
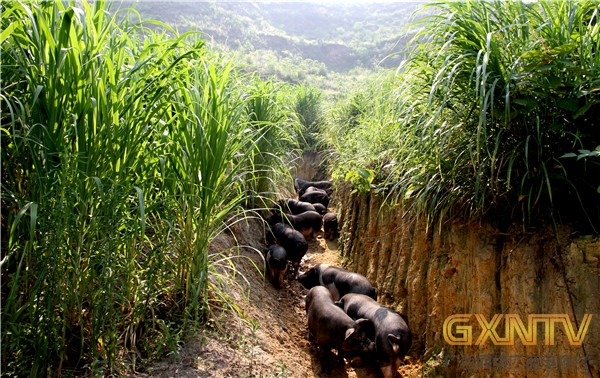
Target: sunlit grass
124 154
477 120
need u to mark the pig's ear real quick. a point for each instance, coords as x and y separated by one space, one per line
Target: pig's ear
339 304
363 322
349 332
395 341
366 326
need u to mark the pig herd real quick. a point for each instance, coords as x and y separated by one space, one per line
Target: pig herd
341 306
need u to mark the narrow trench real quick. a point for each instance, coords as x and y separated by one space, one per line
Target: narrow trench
274 341
323 251
327 252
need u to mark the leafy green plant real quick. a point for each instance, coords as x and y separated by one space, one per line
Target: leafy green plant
122 159
360 179
272 118
583 154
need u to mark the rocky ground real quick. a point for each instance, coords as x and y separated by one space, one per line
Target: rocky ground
273 339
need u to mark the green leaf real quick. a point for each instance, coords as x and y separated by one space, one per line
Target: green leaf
8 31
366 173
563 49
565 62
554 81
581 111
533 54
527 102
569 155
569 104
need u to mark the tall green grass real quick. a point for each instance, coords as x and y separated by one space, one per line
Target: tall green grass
124 154
271 114
482 117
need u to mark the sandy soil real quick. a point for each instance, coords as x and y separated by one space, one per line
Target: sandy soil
273 339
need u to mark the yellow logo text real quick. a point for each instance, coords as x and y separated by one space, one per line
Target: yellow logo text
456 332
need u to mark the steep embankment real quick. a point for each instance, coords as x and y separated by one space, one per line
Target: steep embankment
474 268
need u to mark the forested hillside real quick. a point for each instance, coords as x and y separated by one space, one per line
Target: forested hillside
323 44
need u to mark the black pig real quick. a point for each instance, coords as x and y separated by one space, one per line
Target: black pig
319 208
315 195
308 223
292 240
301 186
330 327
338 281
330 226
392 335
294 207
276 259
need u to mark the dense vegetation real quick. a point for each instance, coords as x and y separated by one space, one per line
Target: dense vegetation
127 146
124 153
496 112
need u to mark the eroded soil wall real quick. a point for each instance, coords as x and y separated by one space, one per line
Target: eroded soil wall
458 268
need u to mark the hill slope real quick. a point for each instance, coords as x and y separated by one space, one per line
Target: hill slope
296 41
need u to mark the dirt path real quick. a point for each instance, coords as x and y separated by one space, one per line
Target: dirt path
323 251
273 342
